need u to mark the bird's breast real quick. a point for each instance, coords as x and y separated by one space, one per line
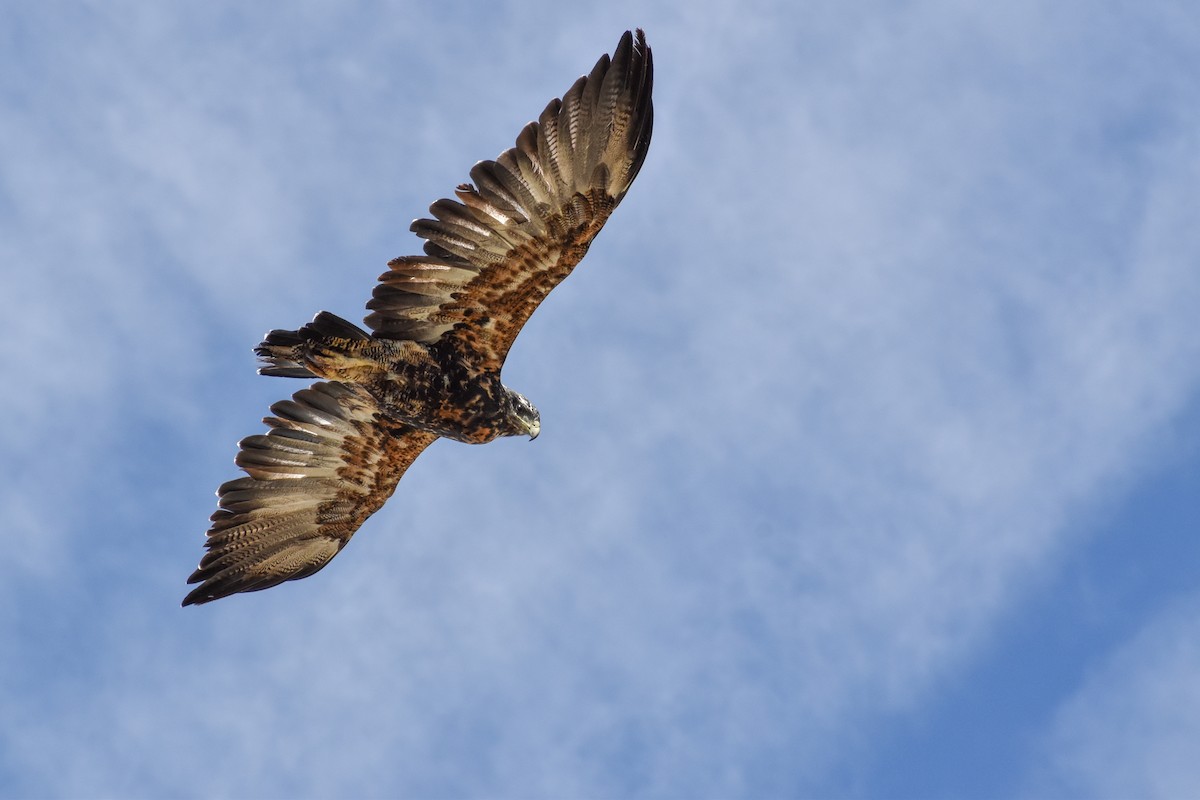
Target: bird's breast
456 407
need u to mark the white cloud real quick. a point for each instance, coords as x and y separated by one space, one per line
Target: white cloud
881 315
1130 729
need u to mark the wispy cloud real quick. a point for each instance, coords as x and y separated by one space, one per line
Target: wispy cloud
1129 729
897 296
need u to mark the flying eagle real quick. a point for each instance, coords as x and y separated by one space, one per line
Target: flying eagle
442 324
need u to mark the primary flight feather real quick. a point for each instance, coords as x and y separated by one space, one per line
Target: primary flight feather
442 324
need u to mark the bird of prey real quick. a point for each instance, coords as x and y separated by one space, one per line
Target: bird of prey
441 326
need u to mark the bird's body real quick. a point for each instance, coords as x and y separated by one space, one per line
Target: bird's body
441 326
412 383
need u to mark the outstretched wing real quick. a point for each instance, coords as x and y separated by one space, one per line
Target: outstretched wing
493 255
328 462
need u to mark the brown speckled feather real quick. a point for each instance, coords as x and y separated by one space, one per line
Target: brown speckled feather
494 254
329 461
443 324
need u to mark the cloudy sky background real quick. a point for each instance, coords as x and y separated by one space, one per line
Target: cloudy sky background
871 424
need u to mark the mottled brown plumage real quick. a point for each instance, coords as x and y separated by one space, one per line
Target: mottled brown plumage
442 327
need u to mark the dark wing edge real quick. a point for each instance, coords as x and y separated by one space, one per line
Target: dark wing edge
494 254
327 463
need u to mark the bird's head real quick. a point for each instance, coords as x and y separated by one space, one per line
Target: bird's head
523 418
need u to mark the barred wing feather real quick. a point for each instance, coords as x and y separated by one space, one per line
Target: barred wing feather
493 255
327 463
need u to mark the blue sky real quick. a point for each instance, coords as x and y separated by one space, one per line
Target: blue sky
871 423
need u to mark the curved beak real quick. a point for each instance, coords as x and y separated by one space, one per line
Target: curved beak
534 429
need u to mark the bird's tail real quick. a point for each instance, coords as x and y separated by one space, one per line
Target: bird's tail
323 348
